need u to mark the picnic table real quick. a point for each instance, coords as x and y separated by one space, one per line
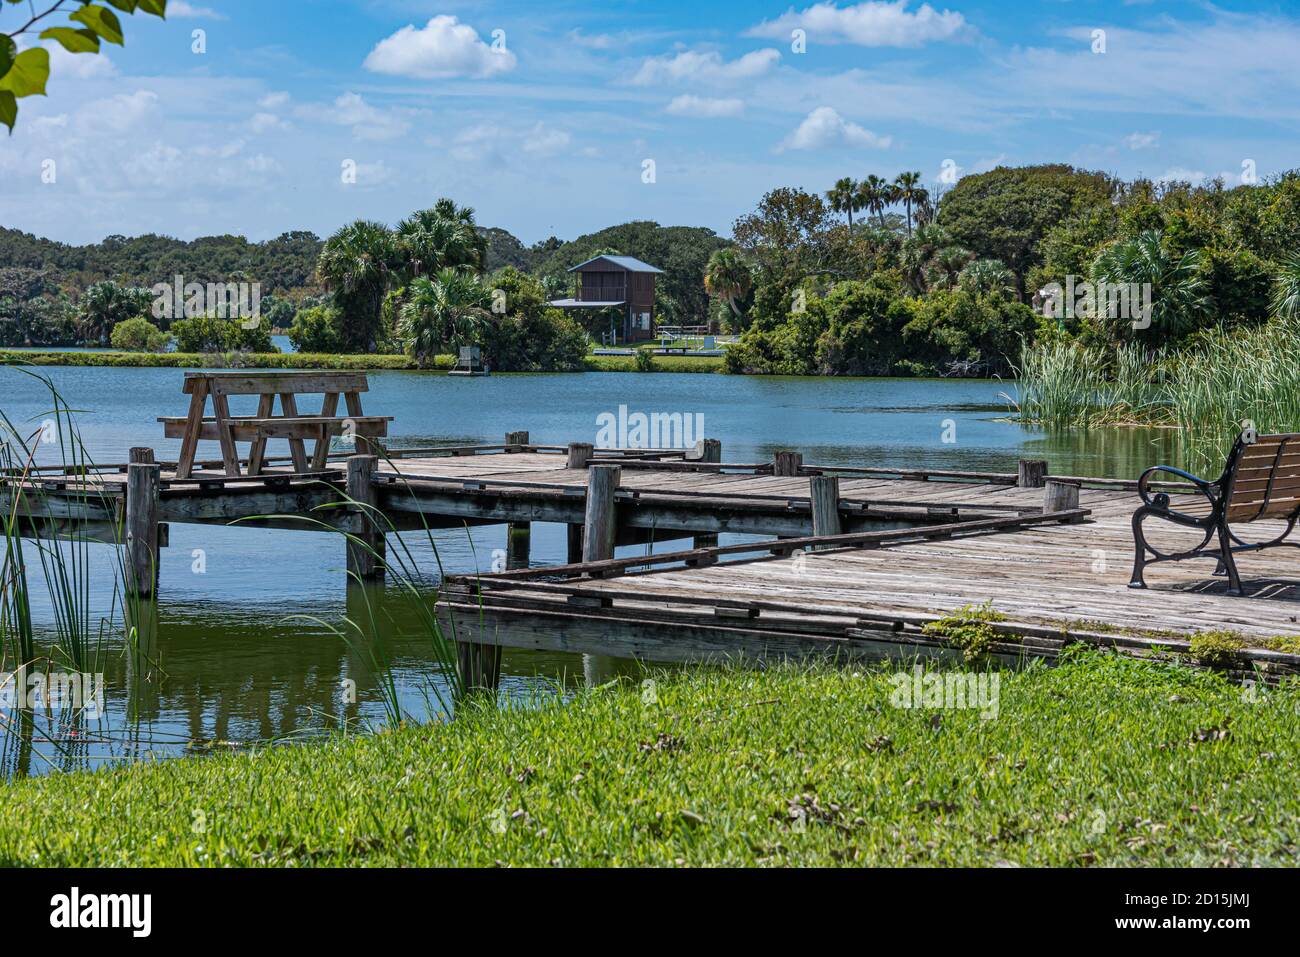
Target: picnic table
258 429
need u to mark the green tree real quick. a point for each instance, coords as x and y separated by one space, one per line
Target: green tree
876 195
1006 213
985 276
843 197
447 310
1286 292
729 278
907 189
443 237
105 304
86 27
357 265
317 329
1178 300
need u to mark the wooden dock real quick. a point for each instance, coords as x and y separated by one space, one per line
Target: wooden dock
855 562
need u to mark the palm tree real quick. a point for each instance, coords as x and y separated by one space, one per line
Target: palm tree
947 264
728 276
1177 288
985 276
443 237
450 309
356 264
919 251
907 189
1286 292
843 197
874 195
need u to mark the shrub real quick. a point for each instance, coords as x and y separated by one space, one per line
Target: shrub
139 335
212 334
318 329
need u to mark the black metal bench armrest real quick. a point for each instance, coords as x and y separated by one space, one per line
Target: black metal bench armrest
1160 500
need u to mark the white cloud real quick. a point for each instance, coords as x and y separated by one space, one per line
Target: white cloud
116 114
706 108
704 66
78 66
1141 141
1179 174
367 122
824 128
180 8
265 122
444 48
872 24
491 143
273 101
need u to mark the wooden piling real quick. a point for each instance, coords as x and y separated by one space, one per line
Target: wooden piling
708 450
575 544
600 525
1032 473
143 481
824 494
787 464
519 536
1060 496
141 456
366 546
580 453
479 667
516 441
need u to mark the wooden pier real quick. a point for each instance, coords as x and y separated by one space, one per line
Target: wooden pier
854 562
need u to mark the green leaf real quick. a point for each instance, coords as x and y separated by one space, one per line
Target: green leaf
126 6
8 50
74 41
29 73
102 20
157 7
8 109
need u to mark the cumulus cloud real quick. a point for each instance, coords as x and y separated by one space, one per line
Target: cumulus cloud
1180 174
78 66
444 48
367 122
824 128
1141 141
489 142
705 108
704 66
273 101
872 24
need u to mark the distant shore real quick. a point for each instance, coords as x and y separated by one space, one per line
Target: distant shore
298 360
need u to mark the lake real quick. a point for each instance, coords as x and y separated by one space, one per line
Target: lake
246 654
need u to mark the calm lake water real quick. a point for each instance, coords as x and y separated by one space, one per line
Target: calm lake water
245 651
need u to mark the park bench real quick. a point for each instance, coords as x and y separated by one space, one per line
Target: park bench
1260 482
258 429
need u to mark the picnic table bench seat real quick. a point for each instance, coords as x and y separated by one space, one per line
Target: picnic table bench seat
1260 482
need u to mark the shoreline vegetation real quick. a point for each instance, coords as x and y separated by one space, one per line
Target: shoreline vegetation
363 362
1101 761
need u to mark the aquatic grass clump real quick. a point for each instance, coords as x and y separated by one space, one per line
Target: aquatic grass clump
1225 381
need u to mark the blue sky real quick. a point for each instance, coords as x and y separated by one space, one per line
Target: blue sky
546 126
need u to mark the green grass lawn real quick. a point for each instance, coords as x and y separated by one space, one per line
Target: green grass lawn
1103 761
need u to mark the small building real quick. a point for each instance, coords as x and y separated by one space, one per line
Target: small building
617 282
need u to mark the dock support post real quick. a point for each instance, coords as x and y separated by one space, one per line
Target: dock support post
141 456
707 450
1060 496
1032 473
824 495
519 538
787 464
366 553
143 481
516 441
580 453
599 529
